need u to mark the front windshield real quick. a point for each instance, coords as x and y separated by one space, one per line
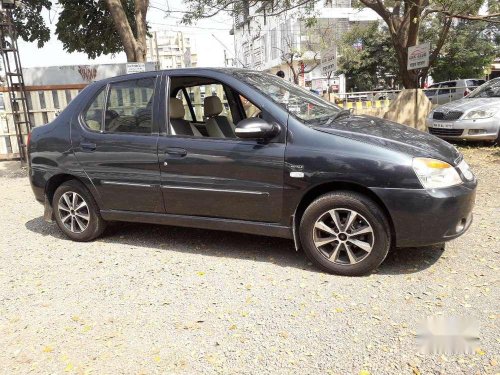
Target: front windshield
490 89
303 104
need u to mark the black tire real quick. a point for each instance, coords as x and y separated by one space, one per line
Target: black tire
368 212
95 224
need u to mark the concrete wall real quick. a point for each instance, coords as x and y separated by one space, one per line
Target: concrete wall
74 74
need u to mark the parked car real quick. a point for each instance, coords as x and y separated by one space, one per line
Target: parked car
445 92
475 117
345 188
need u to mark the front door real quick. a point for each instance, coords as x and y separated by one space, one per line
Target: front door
222 177
115 141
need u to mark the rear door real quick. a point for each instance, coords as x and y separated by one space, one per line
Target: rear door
222 177
115 140
446 92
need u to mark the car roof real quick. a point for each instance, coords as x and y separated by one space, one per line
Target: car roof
177 72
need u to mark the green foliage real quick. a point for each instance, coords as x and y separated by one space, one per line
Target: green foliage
467 53
470 48
87 26
367 58
29 21
83 25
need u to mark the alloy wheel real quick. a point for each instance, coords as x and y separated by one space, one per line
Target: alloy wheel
343 236
73 212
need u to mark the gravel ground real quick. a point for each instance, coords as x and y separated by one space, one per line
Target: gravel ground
152 299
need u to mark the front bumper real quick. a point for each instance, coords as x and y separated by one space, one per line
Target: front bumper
424 217
478 130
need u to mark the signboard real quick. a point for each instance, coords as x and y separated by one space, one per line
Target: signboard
136 68
318 84
329 62
418 56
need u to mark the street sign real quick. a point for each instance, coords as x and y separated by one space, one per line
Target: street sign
418 56
136 68
329 61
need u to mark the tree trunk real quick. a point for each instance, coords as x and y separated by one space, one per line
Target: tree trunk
134 47
141 8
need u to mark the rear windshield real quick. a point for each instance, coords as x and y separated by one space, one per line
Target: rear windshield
474 82
490 89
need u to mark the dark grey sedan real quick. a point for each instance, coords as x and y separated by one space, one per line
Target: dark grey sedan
244 151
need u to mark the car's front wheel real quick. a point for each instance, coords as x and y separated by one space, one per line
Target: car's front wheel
76 212
345 233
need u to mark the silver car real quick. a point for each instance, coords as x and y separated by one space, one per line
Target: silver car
446 92
475 117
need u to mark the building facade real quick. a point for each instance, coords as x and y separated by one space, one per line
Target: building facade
268 42
172 49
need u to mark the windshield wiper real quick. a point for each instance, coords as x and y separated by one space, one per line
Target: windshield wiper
344 112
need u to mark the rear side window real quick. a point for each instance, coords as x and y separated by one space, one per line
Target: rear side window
129 106
447 88
93 115
475 82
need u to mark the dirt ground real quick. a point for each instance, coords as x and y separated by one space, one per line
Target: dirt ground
147 299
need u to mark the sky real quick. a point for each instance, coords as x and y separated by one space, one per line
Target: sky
210 52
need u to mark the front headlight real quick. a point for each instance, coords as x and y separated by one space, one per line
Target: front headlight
479 114
434 174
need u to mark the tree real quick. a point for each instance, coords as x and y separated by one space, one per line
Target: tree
367 58
301 50
468 51
403 19
367 54
94 27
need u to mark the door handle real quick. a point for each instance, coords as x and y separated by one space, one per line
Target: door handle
87 146
176 151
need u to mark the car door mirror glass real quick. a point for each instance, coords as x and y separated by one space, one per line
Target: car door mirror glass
256 128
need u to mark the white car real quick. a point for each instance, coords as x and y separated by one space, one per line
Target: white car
449 91
475 117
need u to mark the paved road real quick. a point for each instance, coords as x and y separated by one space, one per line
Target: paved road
151 299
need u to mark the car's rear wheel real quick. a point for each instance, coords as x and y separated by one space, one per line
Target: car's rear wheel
76 212
345 233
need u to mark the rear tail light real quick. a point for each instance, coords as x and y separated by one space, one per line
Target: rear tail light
466 92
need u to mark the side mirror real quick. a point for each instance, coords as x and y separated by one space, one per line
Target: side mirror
256 128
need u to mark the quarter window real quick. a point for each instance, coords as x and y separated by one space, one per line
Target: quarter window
129 106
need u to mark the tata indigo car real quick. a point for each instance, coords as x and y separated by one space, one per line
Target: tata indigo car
245 151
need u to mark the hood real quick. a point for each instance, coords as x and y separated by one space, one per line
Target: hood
393 136
467 104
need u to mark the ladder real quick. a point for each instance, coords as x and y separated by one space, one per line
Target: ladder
15 81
